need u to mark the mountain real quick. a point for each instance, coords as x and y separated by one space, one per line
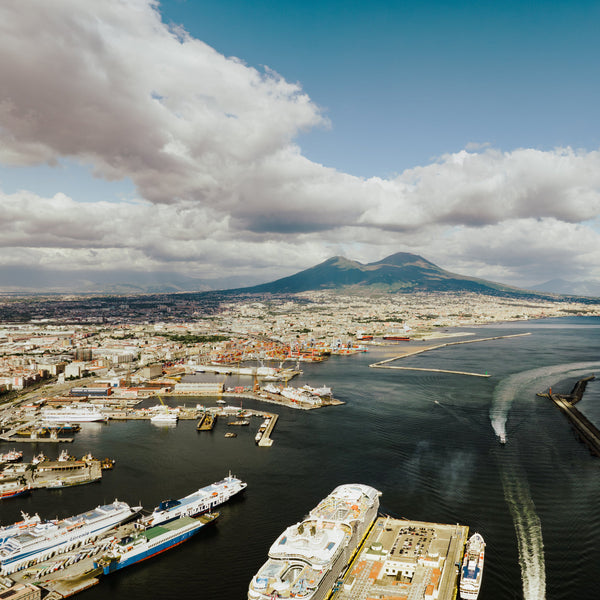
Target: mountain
401 272
590 287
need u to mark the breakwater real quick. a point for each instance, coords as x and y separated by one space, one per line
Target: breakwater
588 433
385 364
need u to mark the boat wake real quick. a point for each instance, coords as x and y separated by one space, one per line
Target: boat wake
529 382
527 523
529 534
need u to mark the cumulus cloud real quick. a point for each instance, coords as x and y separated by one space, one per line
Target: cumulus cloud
209 143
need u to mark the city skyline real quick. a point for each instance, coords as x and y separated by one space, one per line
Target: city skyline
249 142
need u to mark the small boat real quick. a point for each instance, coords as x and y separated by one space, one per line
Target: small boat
107 463
243 422
11 456
230 434
12 488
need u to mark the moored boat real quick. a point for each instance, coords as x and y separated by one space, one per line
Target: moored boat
11 456
198 502
472 567
149 542
49 538
307 558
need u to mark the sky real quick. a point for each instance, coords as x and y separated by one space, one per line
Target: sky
250 140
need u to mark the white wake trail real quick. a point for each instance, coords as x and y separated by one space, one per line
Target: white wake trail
535 380
526 521
528 528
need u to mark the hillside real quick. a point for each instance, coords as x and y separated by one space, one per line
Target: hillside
401 272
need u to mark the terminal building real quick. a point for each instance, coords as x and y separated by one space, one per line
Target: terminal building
401 560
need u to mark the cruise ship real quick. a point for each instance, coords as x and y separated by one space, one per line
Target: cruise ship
53 537
200 501
472 568
308 557
144 544
77 412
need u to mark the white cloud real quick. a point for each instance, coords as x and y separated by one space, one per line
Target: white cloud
209 143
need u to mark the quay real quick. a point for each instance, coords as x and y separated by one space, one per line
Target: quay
265 440
55 474
384 364
402 559
588 433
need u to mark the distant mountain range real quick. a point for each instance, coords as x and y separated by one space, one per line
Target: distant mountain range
401 272
562 286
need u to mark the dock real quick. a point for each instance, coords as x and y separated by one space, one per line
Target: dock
266 440
404 559
588 433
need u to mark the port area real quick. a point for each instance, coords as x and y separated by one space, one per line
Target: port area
386 364
404 560
588 433
68 574
55 474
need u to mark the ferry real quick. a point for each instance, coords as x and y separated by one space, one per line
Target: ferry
200 501
165 418
77 412
307 558
472 568
48 538
147 543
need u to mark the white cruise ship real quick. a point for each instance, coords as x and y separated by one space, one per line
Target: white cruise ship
307 558
200 501
472 568
47 538
77 412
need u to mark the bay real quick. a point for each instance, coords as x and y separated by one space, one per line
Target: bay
427 440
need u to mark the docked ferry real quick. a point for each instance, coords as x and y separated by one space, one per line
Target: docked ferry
200 501
308 557
146 543
472 568
47 538
76 412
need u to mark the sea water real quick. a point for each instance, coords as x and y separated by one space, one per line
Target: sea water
428 441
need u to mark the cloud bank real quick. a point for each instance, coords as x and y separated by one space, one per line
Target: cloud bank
209 144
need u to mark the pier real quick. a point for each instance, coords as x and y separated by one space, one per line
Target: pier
385 364
588 433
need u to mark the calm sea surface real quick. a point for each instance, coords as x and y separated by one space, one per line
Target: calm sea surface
426 440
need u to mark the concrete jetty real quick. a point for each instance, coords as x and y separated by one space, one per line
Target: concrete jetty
385 364
588 433
265 439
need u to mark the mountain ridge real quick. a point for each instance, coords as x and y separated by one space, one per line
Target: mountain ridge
399 272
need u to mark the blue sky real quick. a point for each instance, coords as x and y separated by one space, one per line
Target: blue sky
257 139
405 82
